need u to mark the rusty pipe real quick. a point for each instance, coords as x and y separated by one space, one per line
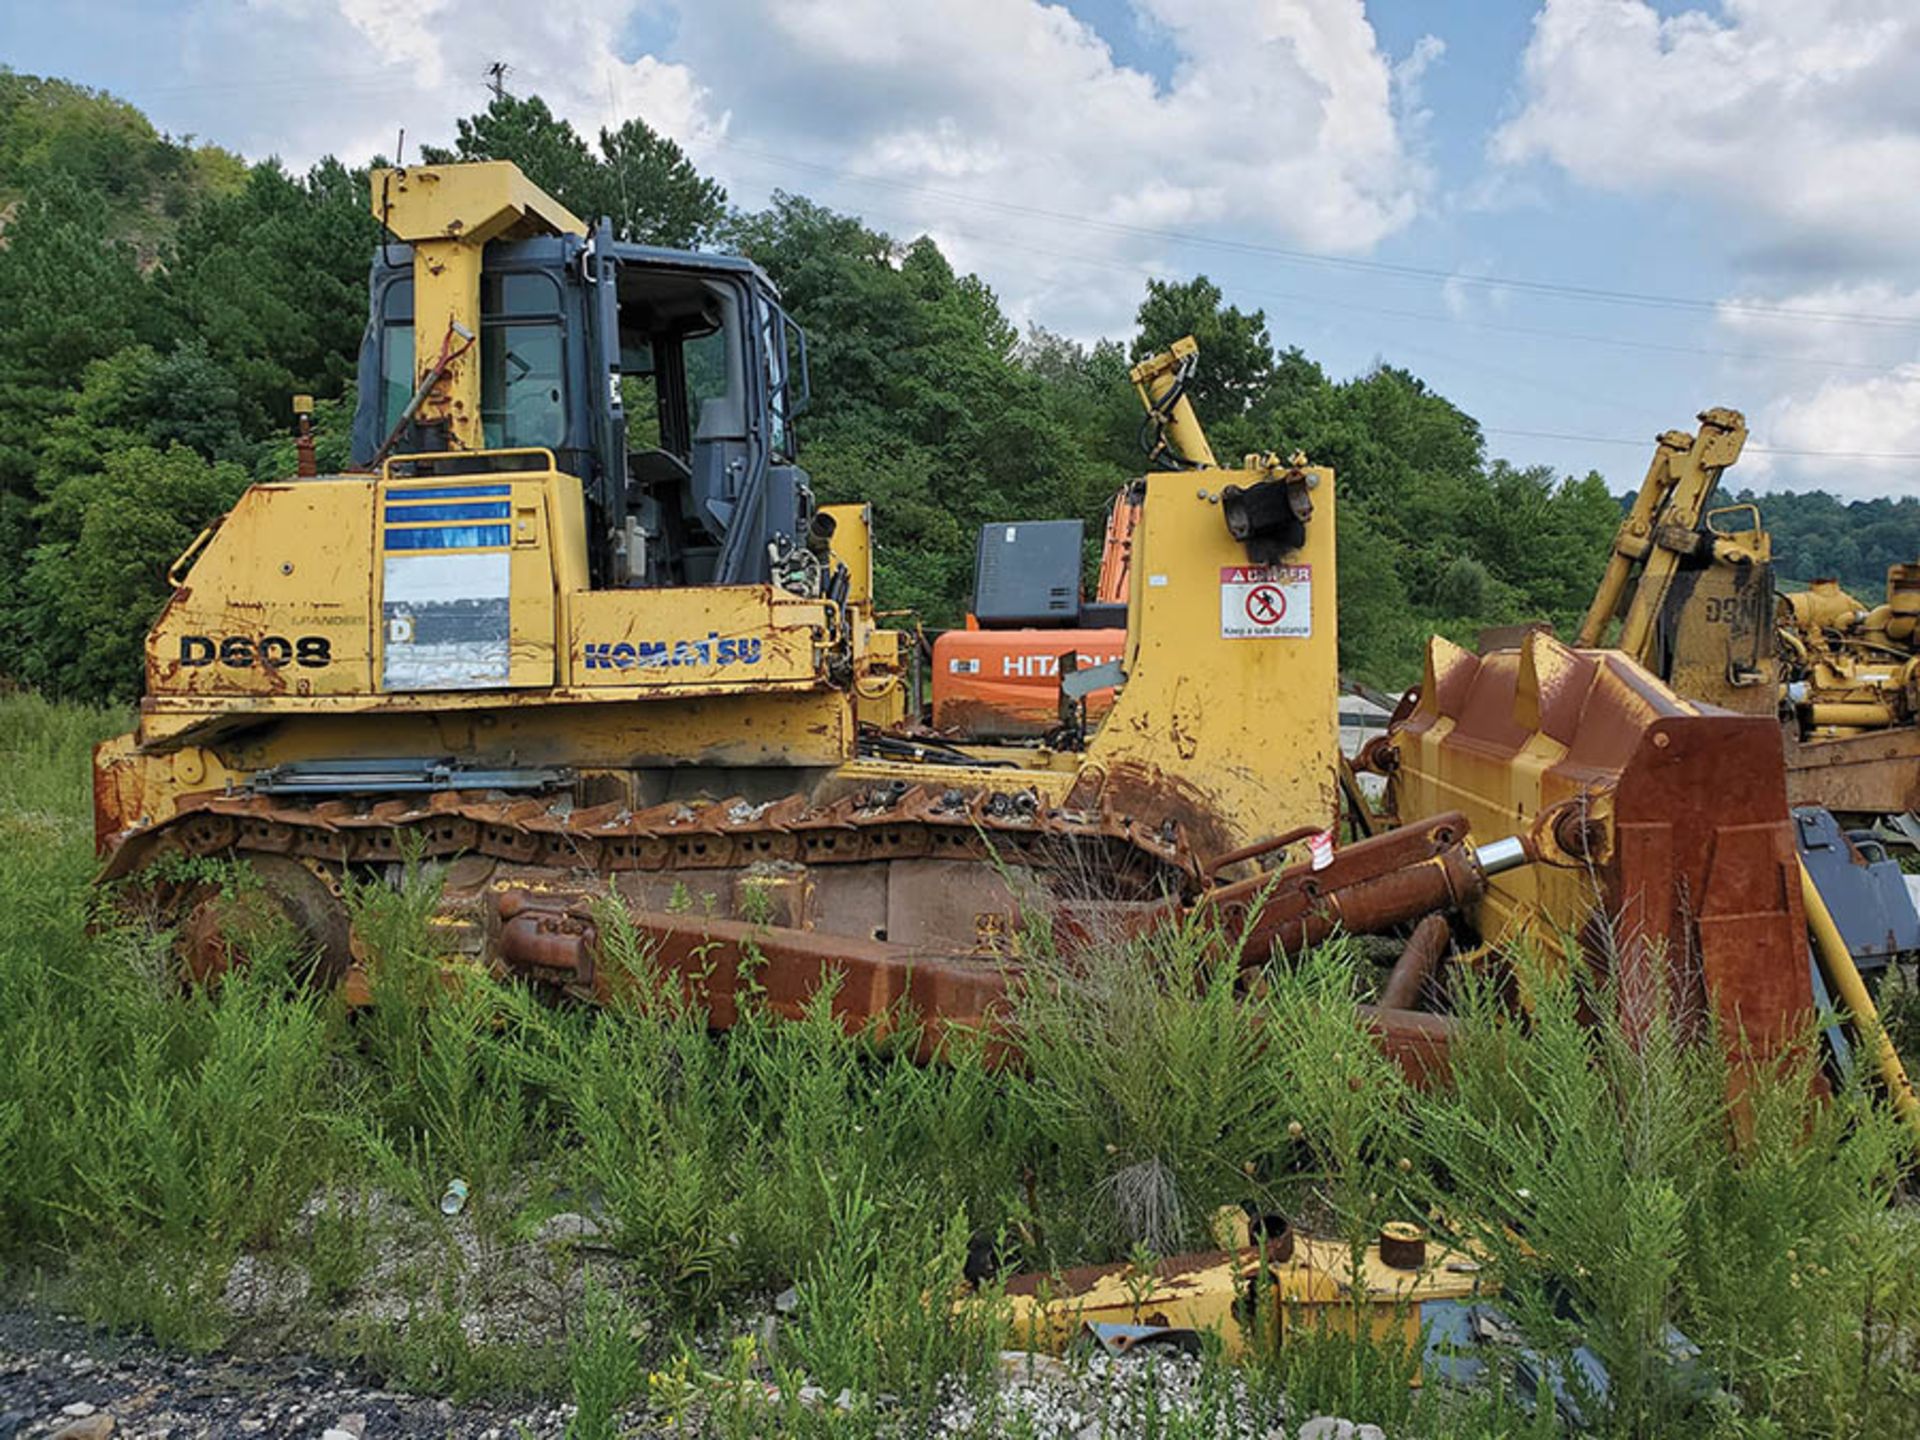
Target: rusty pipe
544 941
1417 964
1258 848
1373 885
1445 881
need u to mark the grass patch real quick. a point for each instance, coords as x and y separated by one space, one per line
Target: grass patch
639 1190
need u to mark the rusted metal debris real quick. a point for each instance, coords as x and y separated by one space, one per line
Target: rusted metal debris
555 936
1424 951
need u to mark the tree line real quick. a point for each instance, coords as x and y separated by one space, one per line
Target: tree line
162 300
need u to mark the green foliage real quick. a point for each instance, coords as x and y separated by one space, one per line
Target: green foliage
873 1312
69 294
603 1365
106 536
1816 535
1625 1184
272 278
1237 367
639 178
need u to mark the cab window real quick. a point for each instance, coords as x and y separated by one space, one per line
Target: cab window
522 379
396 354
522 362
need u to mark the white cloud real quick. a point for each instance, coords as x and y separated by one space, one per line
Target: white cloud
305 78
1855 389
1793 126
1865 419
1281 121
1798 118
987 120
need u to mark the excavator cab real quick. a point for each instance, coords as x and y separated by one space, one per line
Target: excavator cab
667 381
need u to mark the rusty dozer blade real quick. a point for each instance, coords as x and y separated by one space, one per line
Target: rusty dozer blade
1375 885
1661 826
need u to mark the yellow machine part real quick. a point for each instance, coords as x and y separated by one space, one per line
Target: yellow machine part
1661 528
1315 1289
1691 589
448 213
1822 606
1230 703
1856 670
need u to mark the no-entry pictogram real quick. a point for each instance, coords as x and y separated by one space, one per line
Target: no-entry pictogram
1260 602
1266 604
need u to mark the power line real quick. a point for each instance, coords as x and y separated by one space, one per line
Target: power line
1251 247
1757 449
1144 271
1147 272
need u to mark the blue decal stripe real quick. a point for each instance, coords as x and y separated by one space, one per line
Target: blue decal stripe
424 514
448 492
449 537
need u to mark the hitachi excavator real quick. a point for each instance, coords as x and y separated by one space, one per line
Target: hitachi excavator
1029 630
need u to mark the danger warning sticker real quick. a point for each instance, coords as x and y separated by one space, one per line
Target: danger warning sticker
1259 602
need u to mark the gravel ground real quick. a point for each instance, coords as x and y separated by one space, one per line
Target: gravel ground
57 1378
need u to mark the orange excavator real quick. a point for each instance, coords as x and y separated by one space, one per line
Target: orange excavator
999 678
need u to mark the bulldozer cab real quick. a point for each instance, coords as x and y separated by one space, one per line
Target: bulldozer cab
667 381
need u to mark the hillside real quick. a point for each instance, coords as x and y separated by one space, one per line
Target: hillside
161 300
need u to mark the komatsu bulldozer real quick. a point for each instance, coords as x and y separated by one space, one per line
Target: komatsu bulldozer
576 626
575 631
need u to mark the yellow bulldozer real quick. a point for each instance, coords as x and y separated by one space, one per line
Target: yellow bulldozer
575 625
575 630
1692 587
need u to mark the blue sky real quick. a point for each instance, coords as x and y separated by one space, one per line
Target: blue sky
1690 205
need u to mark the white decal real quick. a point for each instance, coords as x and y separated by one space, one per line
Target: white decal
448 621
1259 602
1320 849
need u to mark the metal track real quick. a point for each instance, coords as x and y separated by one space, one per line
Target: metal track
885 822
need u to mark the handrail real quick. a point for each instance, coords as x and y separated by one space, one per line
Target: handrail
1746 505
176 576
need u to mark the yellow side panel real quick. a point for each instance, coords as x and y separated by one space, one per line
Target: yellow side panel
692 636
853 547
279 602
879 687
1230 709
465 570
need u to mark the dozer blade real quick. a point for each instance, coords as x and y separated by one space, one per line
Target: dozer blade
1661 826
